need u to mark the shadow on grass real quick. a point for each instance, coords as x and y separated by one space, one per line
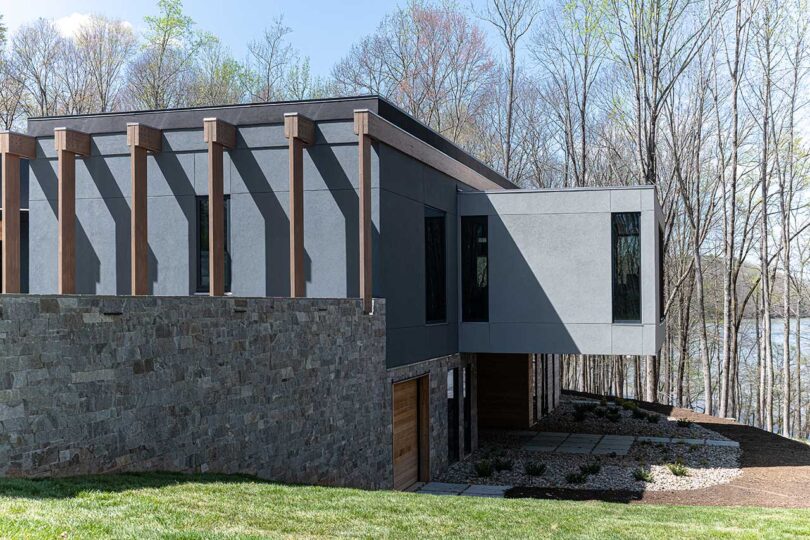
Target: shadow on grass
68 487
566 494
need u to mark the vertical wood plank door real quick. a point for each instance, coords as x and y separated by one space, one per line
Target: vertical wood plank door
406 434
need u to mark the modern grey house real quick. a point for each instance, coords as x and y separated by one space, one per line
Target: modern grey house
318 291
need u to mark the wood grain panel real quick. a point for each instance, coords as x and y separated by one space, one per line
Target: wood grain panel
11 223
364 160
406 433
300 132
66 250
139 242
504 391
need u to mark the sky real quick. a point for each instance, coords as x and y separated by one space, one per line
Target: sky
324 30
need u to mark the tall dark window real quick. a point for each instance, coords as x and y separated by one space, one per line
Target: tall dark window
203 244
660 273
626 267
474 269
435 266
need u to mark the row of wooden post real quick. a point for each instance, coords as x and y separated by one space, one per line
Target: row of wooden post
142 140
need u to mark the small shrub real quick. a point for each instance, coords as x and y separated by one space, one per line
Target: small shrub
600 412
653 418
614 410
629 406
576 478
590 468
603 402
678 469
484 468
613 417
502 464
684 423
580 416
639 414
618 401
535 468
642 475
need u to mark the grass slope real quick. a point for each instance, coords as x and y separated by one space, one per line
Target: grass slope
210 506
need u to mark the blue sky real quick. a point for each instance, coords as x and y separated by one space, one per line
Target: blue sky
324 30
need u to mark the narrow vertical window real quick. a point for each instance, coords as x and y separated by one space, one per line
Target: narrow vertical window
661 297
626 267
474 269
466 385
435 266
203 244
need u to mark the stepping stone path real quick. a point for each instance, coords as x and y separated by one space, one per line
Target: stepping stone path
585 443
465 490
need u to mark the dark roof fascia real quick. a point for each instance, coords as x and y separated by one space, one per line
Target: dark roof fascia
320 110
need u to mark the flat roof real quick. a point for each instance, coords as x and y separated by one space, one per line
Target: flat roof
319 110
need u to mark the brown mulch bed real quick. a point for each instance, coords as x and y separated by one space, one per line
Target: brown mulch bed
775 471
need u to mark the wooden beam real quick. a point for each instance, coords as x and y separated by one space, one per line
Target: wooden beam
364 176
218 135
141 139
13 146
300 131
220 132
18 145
68 145
142 136
380 129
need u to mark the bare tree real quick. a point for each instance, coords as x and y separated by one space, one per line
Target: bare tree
105 46
512 19
36 50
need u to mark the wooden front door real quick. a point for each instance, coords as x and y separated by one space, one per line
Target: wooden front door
409 432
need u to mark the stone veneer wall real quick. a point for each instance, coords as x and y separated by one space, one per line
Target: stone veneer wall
292 390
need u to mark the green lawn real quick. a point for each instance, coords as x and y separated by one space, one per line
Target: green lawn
169 505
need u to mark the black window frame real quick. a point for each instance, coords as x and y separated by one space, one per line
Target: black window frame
621 229
474 297
202 269
435 266
661 296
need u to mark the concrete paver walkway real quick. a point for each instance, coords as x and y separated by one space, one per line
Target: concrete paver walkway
465 490
586 443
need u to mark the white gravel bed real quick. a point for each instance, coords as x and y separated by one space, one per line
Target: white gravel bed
706 466
563 420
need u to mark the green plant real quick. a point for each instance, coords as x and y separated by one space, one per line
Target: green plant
534 468
590 468
639 414
642 475
603 402
629 406
614 410
576 478
618 401
484 468
600 412
580 416
502 464
678 469
613 416
684 423
653 418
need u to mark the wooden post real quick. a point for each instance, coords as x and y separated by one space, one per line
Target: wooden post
68 145
361 121
218 135
300 132
13 146
141 139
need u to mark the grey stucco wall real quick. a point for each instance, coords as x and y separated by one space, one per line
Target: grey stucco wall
256 178
289 389
406 187
550 281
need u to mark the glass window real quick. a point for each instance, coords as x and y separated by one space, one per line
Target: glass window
452 415
203 244
661 298
474 269
626 267
435 266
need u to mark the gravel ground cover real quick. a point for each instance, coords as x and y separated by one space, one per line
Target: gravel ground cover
596 420
504 459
